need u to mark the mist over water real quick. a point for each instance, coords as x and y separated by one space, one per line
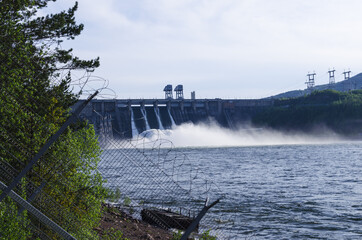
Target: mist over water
296 186
212 135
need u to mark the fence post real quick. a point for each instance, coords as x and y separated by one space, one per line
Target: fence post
196 221
45 147
39 215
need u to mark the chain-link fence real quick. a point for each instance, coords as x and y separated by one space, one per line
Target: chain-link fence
158 182
149 180
56 174
35 194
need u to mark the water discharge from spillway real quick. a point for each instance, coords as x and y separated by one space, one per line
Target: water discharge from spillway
135 132
157 112
173 124
144 114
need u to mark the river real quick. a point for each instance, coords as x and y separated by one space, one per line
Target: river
287 191
280 188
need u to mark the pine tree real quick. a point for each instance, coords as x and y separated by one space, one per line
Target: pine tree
35 97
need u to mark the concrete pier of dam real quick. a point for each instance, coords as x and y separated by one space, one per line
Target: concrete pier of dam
124 118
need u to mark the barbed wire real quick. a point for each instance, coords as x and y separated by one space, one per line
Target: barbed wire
148 172
153 173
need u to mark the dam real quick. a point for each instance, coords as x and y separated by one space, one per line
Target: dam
126 118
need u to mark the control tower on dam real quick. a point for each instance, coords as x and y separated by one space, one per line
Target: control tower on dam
124 118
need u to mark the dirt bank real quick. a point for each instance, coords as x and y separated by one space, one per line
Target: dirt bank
114 219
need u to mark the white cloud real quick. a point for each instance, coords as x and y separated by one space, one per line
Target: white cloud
249 47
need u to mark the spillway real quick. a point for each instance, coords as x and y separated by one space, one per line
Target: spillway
129 117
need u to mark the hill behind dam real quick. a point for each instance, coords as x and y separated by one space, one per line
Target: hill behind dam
340 112
352 83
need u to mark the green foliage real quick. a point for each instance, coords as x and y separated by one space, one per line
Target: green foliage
204 236
339 111
13 226
112 234
316 97
113 196
127 201
207 236
177 235
35 97
84 192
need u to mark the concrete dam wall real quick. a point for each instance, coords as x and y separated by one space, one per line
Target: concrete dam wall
124 118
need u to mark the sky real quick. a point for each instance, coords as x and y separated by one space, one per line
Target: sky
217 48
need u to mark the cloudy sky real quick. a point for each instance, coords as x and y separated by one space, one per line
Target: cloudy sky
218 48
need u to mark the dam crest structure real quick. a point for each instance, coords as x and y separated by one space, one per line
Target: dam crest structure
125 118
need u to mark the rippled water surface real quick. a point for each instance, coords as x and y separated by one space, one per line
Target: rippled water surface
287 192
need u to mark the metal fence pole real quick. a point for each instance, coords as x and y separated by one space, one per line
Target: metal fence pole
196 221
39 215
32 196
45 147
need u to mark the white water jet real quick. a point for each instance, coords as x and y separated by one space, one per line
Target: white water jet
144 114
173 124
135 132
157 112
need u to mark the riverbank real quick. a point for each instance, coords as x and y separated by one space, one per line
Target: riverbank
116 224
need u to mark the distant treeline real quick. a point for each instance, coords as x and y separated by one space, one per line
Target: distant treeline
338 111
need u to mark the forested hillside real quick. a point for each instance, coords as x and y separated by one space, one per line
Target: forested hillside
337 111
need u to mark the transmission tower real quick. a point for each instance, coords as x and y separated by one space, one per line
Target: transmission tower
346 74
310 82
332 79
